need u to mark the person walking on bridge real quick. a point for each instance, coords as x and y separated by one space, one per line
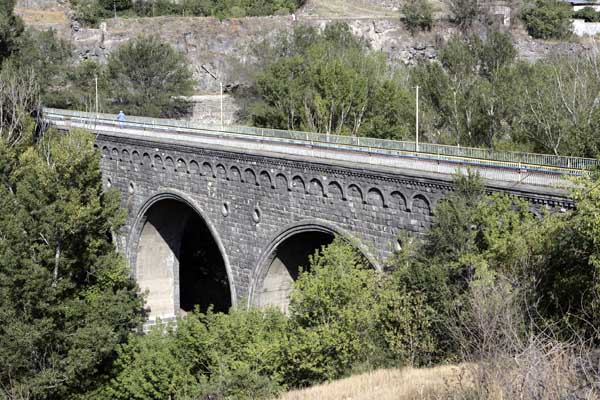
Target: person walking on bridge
121 118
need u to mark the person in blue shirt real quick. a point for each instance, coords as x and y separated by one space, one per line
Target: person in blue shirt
121 118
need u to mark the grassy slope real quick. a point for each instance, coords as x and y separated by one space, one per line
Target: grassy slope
389 384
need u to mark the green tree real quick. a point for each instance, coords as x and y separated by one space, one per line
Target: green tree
547 19
118 5
327 82
148 77
418 15
66 297
345 315
464 13
569 280
11 28
235 355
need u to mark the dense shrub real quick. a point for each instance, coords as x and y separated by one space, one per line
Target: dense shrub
148 77
588 14
418 15
547 19
235 355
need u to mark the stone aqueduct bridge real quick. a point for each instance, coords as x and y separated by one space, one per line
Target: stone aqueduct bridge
223 216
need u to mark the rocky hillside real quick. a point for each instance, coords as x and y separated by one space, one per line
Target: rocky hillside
226 46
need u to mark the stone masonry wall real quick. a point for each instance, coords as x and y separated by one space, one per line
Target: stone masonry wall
250 201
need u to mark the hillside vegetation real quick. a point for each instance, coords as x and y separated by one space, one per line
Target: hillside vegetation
509 292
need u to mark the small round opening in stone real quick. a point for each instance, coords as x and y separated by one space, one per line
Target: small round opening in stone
256 215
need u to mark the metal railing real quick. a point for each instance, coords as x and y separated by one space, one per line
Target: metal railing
562 164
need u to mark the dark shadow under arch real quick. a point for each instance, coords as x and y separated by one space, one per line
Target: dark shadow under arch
179 262
284 265
287 253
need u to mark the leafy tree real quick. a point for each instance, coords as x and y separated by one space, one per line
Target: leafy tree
118 5
473 234
11 28
464 12
235 355
472 96
588 14
559 106
147 77
344 314
569 281
547 19
66 297
19 103
418 15
327 82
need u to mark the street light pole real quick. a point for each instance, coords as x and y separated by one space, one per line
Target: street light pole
96 82
417 121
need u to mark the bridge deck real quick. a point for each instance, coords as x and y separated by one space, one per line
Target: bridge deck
503 167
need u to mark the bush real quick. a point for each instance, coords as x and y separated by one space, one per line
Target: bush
148 77
418 15
118 5
464 12
588 14
212 355
548 19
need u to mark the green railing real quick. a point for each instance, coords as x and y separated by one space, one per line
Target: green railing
440 151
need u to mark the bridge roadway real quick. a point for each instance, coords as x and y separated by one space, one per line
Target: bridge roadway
227 215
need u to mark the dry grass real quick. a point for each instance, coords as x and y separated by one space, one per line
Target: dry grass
31 16
389 384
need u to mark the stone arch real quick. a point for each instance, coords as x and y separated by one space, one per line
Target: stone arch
398 200
281 183
125 155
146 160
235 174
272 278
353 191
222 172
420 204
96 147
181 165
335 191
315 187
158 162
135 157
114 154
207 169
169 164
194 167
105 152
265 179
298 184
375 198
152 244
250 176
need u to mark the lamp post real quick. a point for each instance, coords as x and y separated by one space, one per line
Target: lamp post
417 121
220 87
96 83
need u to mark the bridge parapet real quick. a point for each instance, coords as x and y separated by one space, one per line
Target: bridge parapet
519 168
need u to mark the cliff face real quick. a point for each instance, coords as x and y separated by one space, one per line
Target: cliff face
226 47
